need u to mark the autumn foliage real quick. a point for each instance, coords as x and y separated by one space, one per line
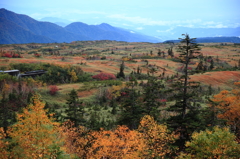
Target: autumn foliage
217 143
76 139
157 137
150 140
104 76
12 55
3 145
53 89
227 107
34 134
119 143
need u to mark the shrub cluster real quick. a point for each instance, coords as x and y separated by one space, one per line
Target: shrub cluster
104 76
12 55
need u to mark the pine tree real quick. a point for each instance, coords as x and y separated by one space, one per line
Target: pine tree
200 66
187 118
212 64
6 112
159 52
138 70
121 73
75 109
131 109
152 93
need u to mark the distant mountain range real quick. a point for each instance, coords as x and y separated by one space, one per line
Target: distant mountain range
176 32
18 28
211 40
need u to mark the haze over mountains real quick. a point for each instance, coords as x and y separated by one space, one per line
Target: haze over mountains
17 28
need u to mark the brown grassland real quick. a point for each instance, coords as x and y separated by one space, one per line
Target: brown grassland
106 56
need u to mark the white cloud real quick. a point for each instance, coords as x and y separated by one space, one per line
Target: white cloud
132 32
165 31
60 13
149 21
126 24
191 23
212 24
139 28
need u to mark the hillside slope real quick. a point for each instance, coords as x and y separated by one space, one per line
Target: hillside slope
10 33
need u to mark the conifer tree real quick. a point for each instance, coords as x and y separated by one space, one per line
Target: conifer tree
152 93
187 118
211 64
131 108
121 73
159 52
75 109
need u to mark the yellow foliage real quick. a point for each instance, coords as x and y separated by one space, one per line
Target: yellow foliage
217 143
3 145
73 75
156 136
34 133
125 58
116 90
119 143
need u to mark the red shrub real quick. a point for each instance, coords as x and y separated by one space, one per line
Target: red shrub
53 89
37 55
16 55
104 76
123 93
163 100
7 55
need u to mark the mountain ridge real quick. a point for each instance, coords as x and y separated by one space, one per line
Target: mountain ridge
31 30
76 31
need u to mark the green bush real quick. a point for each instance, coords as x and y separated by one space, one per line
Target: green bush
218 143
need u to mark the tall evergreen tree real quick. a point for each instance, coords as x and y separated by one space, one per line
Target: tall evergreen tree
121 73
186 108
211 64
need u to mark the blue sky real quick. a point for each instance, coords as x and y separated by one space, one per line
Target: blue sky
139 15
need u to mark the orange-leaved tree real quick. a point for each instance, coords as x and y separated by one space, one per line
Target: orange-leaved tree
4 154
119 143
157 137
34 134
76 139
227 106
